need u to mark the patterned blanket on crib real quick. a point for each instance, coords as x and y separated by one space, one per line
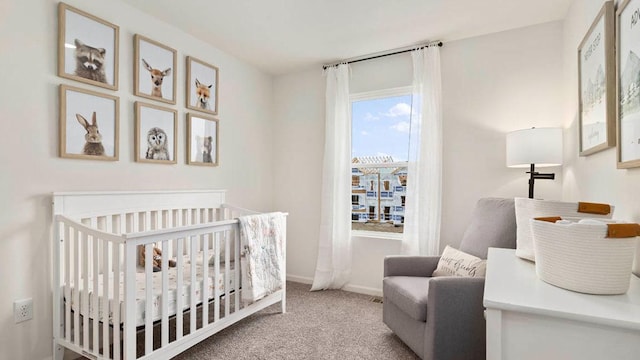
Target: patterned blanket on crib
261 243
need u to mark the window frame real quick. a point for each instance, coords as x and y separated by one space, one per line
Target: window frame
373 95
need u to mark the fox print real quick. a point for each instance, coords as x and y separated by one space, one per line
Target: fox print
203 92
90 62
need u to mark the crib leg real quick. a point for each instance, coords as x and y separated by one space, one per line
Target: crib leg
58 351
284 301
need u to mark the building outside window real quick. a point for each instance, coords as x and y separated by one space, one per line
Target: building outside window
379 152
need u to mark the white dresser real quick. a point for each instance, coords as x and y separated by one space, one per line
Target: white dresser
530 319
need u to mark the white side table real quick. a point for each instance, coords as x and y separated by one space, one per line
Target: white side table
530 319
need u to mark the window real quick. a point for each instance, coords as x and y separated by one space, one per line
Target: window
379 153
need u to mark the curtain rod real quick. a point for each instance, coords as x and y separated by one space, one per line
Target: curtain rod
393 52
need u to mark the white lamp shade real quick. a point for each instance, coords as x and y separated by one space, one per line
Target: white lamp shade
539 146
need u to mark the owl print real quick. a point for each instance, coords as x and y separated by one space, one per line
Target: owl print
157 144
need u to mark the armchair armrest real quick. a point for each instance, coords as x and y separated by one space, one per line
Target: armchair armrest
455 316
403 265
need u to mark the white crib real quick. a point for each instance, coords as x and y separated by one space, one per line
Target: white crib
103 300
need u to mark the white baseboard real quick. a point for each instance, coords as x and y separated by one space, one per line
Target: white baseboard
349 287
300 279
363 290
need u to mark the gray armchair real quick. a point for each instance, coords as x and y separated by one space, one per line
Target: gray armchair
442 318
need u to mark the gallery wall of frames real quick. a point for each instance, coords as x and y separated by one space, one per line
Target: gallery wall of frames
90 119
609 84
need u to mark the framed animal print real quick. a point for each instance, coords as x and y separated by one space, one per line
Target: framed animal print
596 84
87 48
202 86
628 83
202 140
154 70
89 123
156 134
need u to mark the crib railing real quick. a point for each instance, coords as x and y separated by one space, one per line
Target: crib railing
107 248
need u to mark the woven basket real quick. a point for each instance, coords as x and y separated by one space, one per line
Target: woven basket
527 209
581 258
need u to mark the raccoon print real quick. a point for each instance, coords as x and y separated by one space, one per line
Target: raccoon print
90 62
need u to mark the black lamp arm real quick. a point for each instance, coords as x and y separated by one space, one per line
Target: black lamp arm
536 175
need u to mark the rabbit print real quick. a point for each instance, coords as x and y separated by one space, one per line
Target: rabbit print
93 138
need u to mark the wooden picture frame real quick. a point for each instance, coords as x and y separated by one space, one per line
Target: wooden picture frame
156 135
154 70
628 84
89 124
87 48
596 84
202 86
202 140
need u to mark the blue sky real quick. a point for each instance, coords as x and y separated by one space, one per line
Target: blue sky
381 127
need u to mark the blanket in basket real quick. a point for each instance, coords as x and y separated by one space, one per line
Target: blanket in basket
261 242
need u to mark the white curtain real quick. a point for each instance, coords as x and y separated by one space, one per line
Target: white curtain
424 175
334 246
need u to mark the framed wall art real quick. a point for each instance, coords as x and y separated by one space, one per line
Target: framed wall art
202 140
89 123
202 86
596 84
87 48
628 83
156 135
154 70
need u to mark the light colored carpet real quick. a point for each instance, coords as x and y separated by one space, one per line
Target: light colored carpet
330 324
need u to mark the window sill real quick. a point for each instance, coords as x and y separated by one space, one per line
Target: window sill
376 235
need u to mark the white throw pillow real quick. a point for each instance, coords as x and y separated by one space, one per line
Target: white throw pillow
454 262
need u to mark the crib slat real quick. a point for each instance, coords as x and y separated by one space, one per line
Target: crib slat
105 293
122 223
147 221
136 222
192 257
95 288
85 291
196 220
169 224
129 336
179 289
227 273
205 285
148 313
67 282
236 267
76 286
216 276
165 295
116 300
188 218
283 302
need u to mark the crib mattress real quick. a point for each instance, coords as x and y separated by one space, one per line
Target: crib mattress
156 299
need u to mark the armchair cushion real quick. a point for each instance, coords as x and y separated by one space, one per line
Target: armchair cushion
493 224
408 293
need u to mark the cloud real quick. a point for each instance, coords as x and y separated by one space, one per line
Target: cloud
400 109
364 133
369 117
402 126
379 153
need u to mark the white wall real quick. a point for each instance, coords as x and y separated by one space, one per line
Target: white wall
595 177
31 168
492 84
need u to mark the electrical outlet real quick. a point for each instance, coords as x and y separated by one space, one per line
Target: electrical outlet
23 310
